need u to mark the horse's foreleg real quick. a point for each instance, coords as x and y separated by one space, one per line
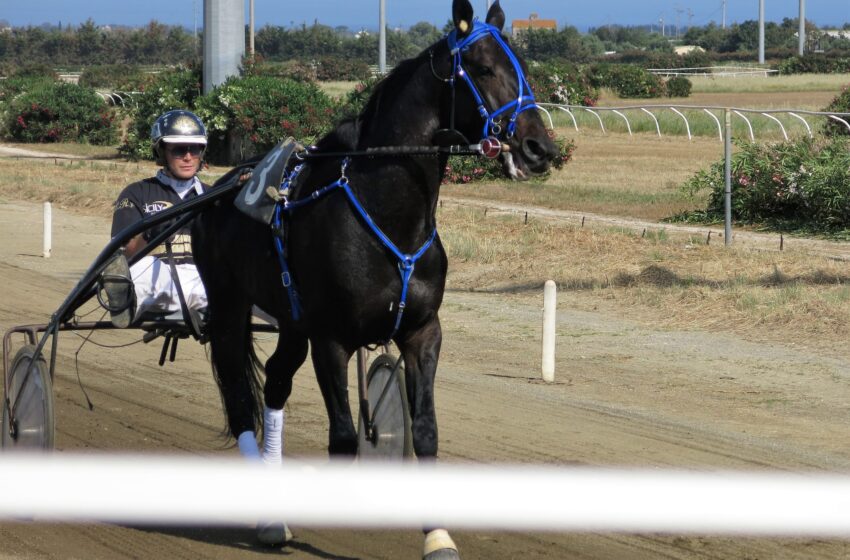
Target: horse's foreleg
421 351
330 360
290 353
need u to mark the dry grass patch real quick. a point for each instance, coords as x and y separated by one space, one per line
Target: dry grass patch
671 281
614 175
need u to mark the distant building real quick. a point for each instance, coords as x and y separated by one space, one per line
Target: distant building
518 26
835 33
687 49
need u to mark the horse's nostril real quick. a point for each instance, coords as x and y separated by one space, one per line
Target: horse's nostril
533 149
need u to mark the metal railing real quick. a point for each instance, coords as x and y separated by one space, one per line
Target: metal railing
652 110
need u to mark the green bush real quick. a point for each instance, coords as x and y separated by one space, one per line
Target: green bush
815 63
563 83
60 112
115 77
802 184
35 70
627 80
293 69
334 68
840 104
678 86
173 89
259 111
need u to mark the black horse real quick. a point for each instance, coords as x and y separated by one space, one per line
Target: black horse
348 281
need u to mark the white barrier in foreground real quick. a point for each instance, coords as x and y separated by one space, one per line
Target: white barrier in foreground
147 489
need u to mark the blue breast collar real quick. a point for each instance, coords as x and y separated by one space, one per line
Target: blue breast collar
406 262
525 98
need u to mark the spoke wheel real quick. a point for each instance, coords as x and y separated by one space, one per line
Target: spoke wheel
31 396
390 413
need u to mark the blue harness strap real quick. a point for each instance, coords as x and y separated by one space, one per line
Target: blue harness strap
406 262
525 98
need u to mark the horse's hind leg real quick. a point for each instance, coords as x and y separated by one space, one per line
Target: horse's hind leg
421 351
330 360
235 366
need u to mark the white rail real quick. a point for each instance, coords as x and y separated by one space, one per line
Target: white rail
654 109
200 490
713 71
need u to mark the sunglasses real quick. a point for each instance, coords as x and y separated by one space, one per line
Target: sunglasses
180 150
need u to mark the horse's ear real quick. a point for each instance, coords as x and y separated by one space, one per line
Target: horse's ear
462 16
496 16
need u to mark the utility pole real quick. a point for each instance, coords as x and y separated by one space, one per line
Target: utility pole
724 14
251 28
802 46
661 23
382 36
678 16
224 40
761 31
195 21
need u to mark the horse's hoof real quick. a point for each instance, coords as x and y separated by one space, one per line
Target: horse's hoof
273 534
439 546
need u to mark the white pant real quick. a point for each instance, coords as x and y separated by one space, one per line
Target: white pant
156 291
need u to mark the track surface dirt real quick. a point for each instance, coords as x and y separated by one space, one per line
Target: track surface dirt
626 394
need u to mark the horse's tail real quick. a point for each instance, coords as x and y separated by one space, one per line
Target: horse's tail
240 386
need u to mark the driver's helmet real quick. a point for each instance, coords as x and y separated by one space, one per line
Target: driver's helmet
177 127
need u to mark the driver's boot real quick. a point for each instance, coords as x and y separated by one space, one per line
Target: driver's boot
120 294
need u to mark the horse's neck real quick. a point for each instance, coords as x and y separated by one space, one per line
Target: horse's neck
408 114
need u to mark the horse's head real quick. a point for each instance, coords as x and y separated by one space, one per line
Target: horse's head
498 100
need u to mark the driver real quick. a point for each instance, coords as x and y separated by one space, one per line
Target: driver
179 140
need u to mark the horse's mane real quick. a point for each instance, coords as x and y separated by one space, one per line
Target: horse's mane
347 135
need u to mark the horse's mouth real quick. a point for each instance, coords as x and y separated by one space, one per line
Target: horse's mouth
517 168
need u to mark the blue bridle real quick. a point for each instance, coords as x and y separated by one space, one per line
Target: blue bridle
525 98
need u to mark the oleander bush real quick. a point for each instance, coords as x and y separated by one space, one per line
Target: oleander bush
801 184
116 77
173 89
678 86
49 111
839 104
563 83
247 116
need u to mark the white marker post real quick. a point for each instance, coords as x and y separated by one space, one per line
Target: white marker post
549 313
48 227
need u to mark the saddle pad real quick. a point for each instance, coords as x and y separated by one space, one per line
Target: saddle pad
252 198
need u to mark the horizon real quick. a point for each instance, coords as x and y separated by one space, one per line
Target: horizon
363 15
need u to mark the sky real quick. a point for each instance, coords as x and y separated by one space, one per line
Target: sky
357 14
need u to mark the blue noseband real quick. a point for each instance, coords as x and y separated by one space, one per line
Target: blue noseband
524 99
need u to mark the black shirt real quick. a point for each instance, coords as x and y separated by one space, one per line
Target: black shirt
146 198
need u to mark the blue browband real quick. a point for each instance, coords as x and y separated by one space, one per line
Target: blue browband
524 99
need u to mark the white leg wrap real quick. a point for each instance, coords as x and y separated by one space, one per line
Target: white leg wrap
273 422
438 539
247 442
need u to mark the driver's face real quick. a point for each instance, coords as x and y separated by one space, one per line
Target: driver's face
183 160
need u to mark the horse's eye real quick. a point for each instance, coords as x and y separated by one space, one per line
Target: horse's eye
486 71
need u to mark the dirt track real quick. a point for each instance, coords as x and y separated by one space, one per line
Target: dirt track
626 395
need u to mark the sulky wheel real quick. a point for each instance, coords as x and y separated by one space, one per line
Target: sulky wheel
390 413
31 397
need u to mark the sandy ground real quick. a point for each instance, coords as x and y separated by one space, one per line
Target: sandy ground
626 394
